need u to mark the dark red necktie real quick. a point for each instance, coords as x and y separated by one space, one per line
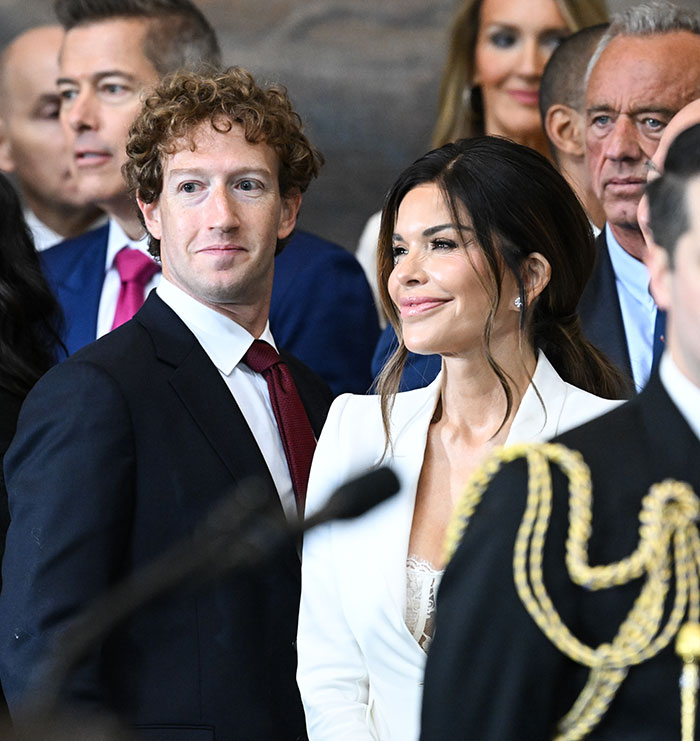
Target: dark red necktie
293 424
135 270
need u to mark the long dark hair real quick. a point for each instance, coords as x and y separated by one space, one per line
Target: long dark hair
518 204
30 318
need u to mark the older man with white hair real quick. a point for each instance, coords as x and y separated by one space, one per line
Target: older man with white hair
646 68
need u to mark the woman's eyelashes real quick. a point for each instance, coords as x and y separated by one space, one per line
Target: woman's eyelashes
439 245
443 244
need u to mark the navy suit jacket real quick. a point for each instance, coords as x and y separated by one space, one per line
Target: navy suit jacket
601 320
322 310
491 673
119 453
601 315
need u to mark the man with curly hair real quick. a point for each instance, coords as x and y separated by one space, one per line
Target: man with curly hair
123 448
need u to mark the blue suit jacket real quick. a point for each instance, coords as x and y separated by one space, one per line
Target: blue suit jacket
601 319
322 309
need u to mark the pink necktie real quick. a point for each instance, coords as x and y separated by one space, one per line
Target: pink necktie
293 424
135 270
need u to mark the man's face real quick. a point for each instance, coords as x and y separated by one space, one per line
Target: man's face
218 219
634 90
677 289
103 73
32 143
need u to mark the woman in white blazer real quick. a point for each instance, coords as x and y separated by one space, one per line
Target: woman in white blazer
484 253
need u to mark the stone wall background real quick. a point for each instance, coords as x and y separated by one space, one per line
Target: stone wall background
363 74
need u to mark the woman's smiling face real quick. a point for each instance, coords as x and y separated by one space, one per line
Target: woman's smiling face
441 284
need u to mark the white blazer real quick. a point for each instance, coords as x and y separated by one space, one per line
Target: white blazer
360 669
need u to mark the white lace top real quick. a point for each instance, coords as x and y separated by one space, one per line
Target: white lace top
422 582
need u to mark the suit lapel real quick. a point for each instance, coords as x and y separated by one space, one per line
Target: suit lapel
214 412
601 315
411 417
76 272
532 421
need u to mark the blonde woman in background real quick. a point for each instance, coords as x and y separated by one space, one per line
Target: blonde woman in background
498 51
490 83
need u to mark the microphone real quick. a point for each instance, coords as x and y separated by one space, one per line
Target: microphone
356 497
241 531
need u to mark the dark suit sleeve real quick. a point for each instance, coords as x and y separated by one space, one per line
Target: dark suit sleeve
9 410
491 674
323 312
69 478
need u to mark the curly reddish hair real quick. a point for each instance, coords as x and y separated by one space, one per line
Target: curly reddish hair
183 100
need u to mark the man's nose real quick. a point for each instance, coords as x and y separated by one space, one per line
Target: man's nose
81 112
223 209
623 141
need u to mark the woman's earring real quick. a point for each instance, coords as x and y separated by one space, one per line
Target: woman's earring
467 95
518 303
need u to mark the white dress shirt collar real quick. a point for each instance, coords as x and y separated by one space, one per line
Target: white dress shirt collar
683 392
117 239
632 272
637 307
223 340
43 235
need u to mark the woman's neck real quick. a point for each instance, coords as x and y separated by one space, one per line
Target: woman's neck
472 398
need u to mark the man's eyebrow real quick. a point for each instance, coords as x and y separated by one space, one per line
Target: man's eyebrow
600 108
179 171
48 98
97 76
651 108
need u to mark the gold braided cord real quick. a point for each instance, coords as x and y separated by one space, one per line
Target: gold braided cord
669 544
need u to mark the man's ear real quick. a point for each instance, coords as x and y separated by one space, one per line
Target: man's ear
288 214
7 163
564 128
151 215
659 264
